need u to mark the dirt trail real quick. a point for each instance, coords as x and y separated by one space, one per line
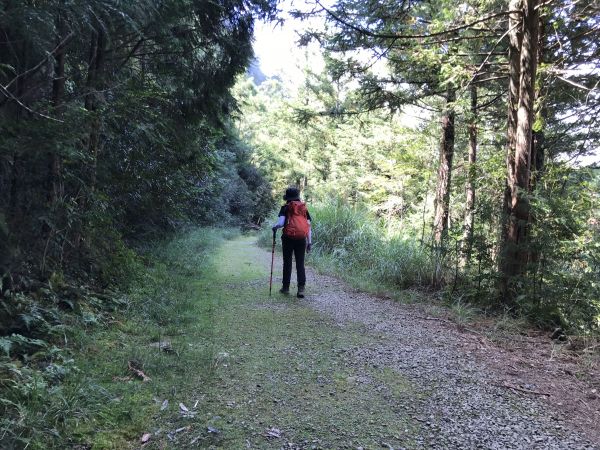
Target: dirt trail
343 369
477 397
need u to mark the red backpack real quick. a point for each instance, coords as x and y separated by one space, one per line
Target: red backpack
296 222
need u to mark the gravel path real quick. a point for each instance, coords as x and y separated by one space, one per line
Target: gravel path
463 404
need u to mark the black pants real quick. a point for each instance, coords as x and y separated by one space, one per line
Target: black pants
297 247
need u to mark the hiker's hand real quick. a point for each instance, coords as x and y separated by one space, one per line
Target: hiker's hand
308 247
274 228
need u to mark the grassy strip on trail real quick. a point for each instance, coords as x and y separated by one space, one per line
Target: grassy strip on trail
281 373
164 313
94 399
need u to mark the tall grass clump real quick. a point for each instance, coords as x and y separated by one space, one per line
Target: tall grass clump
352 242
356 243
166 297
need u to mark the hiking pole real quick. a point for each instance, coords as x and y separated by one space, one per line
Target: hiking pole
272 261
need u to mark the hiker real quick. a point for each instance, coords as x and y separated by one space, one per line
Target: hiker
296 238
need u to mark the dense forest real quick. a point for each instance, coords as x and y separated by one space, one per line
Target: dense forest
116 125
122 122
488 180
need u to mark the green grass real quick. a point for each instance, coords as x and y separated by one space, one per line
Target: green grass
164 308
242 364
359 245
93 400
279 364
350 243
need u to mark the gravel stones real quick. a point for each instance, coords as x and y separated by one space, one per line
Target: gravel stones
458 401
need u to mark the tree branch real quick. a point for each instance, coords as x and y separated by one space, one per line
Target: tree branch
573 83
25 107
42 62
412 36
487 58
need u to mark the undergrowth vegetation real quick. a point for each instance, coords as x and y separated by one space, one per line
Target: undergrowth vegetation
67 368
354 243
351 242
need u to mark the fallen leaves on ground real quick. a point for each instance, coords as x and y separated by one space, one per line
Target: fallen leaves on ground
273 433
185 412
123 379
138 372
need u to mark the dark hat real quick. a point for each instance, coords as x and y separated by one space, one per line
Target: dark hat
292 194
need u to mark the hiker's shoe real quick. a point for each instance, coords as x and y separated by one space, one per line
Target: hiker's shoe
285 290
300 292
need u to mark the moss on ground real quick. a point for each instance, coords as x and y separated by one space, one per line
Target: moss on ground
279 376
243 370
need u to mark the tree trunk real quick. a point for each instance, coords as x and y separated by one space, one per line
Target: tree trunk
91 74
58 92
15 211
538 139
538 144
515 245
514 80
444 176
470 206
95 64
514 73
92 100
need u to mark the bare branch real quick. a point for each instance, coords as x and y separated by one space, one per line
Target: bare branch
43 61
573 83
488 57
25 107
